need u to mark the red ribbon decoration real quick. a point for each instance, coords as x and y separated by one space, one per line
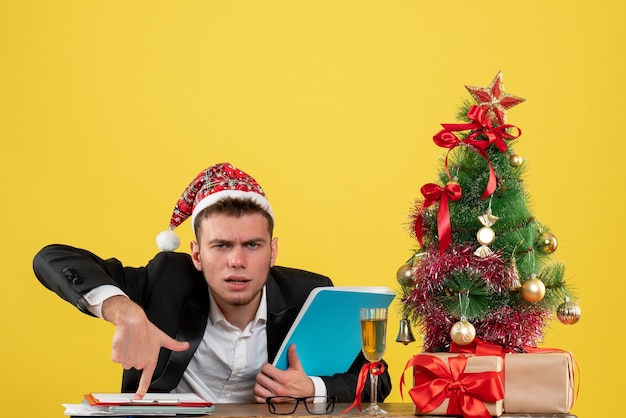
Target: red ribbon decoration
480 348
434 193
467 392
376 369
481 126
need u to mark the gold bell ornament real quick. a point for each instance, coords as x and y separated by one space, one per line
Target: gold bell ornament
405 334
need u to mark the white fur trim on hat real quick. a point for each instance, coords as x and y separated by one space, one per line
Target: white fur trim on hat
237 194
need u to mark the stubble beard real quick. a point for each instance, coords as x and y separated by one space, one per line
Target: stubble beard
243 301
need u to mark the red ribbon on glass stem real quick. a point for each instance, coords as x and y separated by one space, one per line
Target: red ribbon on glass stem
376 368
434 193
467 392
480 125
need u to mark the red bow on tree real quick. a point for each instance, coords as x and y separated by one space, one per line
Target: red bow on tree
434 193
481 126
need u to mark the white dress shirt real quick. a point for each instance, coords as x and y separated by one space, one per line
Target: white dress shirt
224 367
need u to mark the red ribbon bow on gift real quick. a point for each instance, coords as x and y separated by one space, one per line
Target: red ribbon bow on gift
467 392
434 193
377 368
480 125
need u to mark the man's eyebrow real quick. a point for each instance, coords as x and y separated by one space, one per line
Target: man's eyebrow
219 241
255 240
227 241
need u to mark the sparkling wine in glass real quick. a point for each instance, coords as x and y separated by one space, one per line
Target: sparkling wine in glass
373 336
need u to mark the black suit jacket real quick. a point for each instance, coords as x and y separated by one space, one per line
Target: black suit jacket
175 298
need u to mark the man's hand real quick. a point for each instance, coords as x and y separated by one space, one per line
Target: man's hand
291 382
137 341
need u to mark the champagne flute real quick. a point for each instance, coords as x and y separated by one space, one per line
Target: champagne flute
373 336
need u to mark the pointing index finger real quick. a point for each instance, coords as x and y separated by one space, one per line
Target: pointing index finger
144 382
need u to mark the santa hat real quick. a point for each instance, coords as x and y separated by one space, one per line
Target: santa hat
211 185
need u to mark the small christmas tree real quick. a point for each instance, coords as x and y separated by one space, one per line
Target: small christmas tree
483 268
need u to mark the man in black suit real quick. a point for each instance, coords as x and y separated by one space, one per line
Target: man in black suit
212 322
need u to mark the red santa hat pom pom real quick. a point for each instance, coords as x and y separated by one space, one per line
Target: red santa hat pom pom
167 241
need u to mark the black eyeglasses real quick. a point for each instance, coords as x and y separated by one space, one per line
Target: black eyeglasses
286 405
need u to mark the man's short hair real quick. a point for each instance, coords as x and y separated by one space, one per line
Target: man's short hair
236 207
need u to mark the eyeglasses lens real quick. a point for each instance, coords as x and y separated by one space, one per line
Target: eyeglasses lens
319 404
287 405
283 405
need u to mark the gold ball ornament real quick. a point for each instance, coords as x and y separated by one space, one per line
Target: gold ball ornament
516 160
463 333
404 275
568 312
547 243
533 289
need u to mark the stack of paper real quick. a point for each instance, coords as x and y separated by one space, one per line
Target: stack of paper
123 404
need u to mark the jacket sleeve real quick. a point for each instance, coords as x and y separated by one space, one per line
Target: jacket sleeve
343 385
71 272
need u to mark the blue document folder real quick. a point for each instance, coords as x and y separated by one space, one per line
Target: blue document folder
327 331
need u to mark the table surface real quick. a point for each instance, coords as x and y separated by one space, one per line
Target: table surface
394 409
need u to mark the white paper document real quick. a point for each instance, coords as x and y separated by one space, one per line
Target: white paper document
83 410
123 404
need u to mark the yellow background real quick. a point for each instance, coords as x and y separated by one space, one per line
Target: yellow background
109 108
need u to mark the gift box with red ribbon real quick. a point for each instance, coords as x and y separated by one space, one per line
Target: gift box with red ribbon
539 382
457 384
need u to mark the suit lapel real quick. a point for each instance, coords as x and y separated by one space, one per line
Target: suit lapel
280 316
193 322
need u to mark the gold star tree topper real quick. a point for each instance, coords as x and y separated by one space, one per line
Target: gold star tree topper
495 99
